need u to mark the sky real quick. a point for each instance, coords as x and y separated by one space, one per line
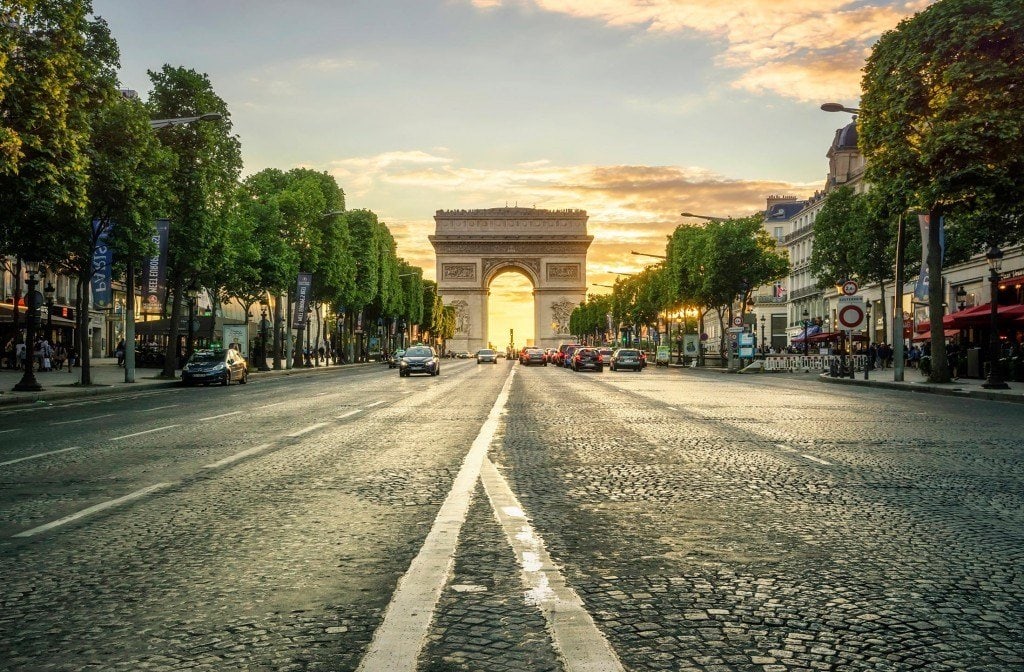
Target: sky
633 110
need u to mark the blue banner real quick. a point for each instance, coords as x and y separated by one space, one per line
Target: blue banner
922 288
154 271
102 256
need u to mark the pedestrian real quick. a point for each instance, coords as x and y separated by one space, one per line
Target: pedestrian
60 353
72 358
119 352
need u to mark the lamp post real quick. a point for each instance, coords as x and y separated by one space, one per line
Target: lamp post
48 292
995 376
33 300
308 354
181 121
193 294
710 218
264 327
805 315
764 351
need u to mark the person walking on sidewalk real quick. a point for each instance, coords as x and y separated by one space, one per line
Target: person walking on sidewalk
119 353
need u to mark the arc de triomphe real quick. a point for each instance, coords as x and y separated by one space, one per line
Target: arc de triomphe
473 247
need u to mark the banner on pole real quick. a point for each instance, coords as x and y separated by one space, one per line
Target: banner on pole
102 256
302 287
154 280
921 288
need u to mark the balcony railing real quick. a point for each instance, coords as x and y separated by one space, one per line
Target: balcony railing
797 233
762 299
803 292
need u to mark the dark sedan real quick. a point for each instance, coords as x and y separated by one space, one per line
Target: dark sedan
419 359
206 367
626 358
587 358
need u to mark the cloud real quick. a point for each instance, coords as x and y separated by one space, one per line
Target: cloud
630 207
774 45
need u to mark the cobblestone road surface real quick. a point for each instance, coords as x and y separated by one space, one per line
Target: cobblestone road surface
707 522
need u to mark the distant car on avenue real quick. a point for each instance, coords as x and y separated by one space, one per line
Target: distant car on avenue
626 358
419 359
529 356
206 367
395 358
486 355
587 358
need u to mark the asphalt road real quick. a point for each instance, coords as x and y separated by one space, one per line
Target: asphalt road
513 518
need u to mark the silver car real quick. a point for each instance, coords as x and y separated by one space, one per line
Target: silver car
486 355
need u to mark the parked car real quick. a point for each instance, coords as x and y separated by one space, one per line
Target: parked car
568 353
463 354
206 367
587 358
486 355
626 358
419 359
529 356
395 358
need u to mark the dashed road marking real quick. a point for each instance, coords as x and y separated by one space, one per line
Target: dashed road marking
399 638
237 456
222 415
348 415
573 632
5 431
102 506
812 458
377 403
672 408
788 449
95 417
307 430
276 403
158 408
32 457
148 431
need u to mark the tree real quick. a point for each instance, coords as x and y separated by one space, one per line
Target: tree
208 165
941 127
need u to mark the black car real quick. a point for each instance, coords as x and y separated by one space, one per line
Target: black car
206 367
587 358
626 358
395 359
419 359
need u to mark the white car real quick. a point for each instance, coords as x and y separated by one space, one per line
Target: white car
486 355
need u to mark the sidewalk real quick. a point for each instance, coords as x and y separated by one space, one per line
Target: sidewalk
915 382
108 378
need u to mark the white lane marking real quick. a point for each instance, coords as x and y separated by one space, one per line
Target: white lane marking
158 408
222 415
377 403
93 509
788 449
348 415
320 394
307 430
148 431
95 417
812 458
573 631
397 642
237 456
276 403
4 431
672 408
32 457
407 392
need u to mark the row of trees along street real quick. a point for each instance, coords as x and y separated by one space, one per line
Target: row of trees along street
80 162
709 268
942 130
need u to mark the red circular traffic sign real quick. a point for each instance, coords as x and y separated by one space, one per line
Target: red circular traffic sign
851 316
850 287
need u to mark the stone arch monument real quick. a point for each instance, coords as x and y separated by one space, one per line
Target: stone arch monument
473 247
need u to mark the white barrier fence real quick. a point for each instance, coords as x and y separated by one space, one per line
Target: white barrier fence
810 362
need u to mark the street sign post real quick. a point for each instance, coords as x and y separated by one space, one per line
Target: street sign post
850 313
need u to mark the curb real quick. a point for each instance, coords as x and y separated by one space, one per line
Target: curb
11 399
1010 397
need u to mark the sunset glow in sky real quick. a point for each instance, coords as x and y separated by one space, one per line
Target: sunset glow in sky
634 110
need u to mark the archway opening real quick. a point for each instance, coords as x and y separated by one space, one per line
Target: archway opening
510 307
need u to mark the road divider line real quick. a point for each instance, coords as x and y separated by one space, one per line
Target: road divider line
237 456
32 457
148 431
5 431
672 408
276 403
307 430
377 403
812 458
158 408
788 449
222 415
102 506
573 632
348 415
95 417
399 638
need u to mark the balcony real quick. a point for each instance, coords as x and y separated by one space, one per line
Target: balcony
768 299
798 233
804 292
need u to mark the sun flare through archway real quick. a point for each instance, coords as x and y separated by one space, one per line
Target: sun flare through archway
510 306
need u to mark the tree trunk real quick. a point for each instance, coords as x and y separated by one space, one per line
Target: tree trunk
17 298
885 317
129 322
940 367
319 331
171 353
722 344
289 344
84 335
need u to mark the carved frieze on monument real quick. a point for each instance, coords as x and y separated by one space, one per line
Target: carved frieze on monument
563 271
560 312
458 271
490 264
462 318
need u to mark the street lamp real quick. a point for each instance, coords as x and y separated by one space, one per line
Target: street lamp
264 327
839 107
995 377
33 300
181 121
644 254
764 351
805 315
309 327
193 294
48 292
710 218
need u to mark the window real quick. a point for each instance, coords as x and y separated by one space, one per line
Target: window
778 233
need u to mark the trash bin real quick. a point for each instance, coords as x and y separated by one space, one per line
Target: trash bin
974 362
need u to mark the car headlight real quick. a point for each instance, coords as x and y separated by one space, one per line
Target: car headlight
403 363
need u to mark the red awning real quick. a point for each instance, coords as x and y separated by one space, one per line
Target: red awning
927 336
981 316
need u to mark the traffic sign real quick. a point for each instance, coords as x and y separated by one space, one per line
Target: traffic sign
737 321
850 313
850 288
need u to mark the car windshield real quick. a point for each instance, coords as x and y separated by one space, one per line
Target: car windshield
206 357
628 353
486 352
418 352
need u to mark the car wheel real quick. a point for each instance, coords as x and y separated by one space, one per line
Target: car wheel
600 369
227 379
245 378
